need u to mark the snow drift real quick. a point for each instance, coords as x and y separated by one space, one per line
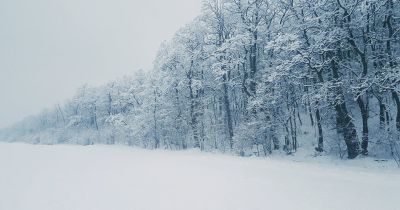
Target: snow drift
113 177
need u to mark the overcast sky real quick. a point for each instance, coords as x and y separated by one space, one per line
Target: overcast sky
48 48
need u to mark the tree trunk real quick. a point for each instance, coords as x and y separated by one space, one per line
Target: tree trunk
364 64
228 111
253 68
193 107
382 113
345 125
320 147
364 116
397 100
392 63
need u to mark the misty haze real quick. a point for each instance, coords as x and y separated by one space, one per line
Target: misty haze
200 104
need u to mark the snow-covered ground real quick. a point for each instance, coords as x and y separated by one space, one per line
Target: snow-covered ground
119 178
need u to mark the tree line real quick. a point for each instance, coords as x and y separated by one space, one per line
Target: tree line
252 77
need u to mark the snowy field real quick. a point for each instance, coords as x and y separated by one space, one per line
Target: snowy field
122 178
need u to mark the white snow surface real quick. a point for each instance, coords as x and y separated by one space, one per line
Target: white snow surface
39 177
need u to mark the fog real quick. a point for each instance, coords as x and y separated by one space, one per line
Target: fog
48 48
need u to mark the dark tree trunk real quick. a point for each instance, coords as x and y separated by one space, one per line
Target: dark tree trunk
347 129
292 124
364 116
228 111
382 113
392 63
345 125
320 147
397 100
311 117
253 69
253 65
294 133
364 64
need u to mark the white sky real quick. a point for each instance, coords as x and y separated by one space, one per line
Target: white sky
48 48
